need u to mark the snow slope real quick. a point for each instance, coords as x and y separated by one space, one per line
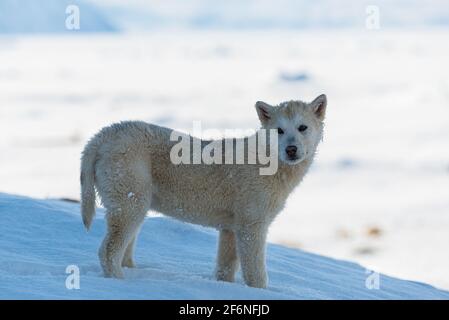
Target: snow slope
40 238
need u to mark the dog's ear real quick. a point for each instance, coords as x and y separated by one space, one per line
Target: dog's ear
264 111
319 106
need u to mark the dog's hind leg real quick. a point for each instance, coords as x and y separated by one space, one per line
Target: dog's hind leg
121 230
128 260
125 215
125 189
227 261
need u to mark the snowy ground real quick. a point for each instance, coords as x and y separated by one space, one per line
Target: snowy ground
40 238
378 193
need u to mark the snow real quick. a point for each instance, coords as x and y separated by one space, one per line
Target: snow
378 191
383 164
41 239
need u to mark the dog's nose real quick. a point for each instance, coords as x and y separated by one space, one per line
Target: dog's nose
291 151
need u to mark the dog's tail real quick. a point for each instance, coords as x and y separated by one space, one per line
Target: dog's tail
87 179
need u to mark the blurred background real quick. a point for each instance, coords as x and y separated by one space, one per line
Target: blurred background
378 192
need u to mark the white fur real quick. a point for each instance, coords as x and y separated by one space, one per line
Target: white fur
129 165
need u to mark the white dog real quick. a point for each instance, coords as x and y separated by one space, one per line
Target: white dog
129 164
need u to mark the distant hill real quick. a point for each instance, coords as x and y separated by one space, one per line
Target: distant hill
49 16
269 14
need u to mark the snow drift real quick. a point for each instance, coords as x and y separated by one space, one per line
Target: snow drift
40 238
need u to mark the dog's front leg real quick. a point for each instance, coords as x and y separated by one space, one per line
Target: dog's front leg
251 251
227 261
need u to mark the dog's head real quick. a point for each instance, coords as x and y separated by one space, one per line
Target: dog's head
299 126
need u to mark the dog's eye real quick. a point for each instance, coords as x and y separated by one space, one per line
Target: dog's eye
280 131
302 128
